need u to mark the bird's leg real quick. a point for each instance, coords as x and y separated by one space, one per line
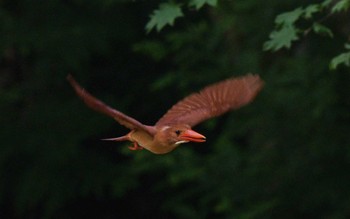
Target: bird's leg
135 147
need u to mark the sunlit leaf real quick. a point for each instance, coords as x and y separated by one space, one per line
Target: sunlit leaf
281 38
322 30
310 10
347 45
341 5
165 15
326 3
200 3
343 58
289 18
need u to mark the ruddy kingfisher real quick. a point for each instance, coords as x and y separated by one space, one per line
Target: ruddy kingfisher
174 128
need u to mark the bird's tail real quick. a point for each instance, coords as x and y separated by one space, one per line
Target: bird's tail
122 138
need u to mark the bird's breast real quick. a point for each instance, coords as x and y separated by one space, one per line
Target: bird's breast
142 138
149 142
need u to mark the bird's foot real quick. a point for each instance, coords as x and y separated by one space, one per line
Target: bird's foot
135 147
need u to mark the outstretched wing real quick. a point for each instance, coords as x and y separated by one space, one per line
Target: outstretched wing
213 100
101 107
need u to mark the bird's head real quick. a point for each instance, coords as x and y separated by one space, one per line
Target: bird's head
178 134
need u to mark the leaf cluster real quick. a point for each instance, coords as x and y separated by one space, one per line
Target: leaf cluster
287 29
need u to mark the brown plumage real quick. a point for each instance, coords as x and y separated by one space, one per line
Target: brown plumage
174 128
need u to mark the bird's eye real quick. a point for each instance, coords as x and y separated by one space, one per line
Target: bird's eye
177 132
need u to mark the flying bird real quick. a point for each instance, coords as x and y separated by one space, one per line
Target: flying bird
174 128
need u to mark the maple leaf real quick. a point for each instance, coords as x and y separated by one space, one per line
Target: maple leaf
343 58
200 3
281 38
310 10
289 18
321 29
342 5
165 15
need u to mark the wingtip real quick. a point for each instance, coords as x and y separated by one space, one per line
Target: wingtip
73 82
70 78
252 75
255 80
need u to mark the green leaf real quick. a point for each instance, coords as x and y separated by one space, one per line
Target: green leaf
343 58
311 9
321 29
289 18
347 45
341 5
200 3
282 38
165 15
326 3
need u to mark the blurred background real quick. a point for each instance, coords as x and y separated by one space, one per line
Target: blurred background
286 155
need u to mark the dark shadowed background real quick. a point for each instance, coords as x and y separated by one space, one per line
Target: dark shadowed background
286 155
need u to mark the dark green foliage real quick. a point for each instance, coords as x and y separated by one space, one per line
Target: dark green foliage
286 155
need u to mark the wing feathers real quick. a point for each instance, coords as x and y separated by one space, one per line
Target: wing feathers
213 100
101 107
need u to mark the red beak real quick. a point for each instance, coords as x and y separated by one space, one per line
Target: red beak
190 135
